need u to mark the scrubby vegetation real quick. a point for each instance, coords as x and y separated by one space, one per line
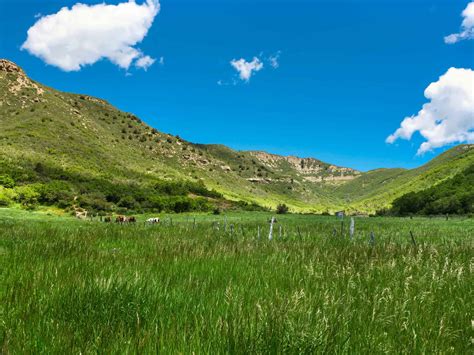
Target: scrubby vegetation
282 209
33 185
453 196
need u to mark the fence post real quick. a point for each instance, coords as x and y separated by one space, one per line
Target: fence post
352 228
413 238
270 235
372 238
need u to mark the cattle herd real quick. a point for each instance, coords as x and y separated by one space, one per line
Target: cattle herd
124 219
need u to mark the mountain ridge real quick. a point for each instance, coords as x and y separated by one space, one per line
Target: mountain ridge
89 137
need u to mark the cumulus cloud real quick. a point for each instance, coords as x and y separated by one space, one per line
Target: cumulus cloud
247 69
85 34
448 117
467 26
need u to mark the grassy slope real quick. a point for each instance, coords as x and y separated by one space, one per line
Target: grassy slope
91 138
377 188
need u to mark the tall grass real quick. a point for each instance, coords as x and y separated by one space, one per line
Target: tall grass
82 287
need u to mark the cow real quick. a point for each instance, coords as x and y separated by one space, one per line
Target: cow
155 220
107 219
125 219
120 219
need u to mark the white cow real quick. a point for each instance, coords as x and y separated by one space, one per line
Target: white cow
155 220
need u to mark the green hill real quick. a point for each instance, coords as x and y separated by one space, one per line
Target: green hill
53 140
452 196
378 188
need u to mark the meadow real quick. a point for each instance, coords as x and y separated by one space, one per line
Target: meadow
214 284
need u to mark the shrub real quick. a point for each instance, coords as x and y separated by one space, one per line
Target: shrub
282 209
27 196
7 181
4 201
95 202
53 192
6 197
128 202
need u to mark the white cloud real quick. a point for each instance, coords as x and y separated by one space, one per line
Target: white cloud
162 61
275 60
467 26
448 117
246 69
145 62
83 35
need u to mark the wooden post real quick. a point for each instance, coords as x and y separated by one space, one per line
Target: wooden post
413 238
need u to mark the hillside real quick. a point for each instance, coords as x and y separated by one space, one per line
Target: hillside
452 196
49 136
378 188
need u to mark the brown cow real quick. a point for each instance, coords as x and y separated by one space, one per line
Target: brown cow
125 219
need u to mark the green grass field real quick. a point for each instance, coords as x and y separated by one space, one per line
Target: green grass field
192 285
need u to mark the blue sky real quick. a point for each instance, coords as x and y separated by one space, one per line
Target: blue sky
349 72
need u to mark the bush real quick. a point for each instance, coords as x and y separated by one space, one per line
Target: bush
6 197
4 201
95 201
282 209
7 181
27 196
53 192
128 202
